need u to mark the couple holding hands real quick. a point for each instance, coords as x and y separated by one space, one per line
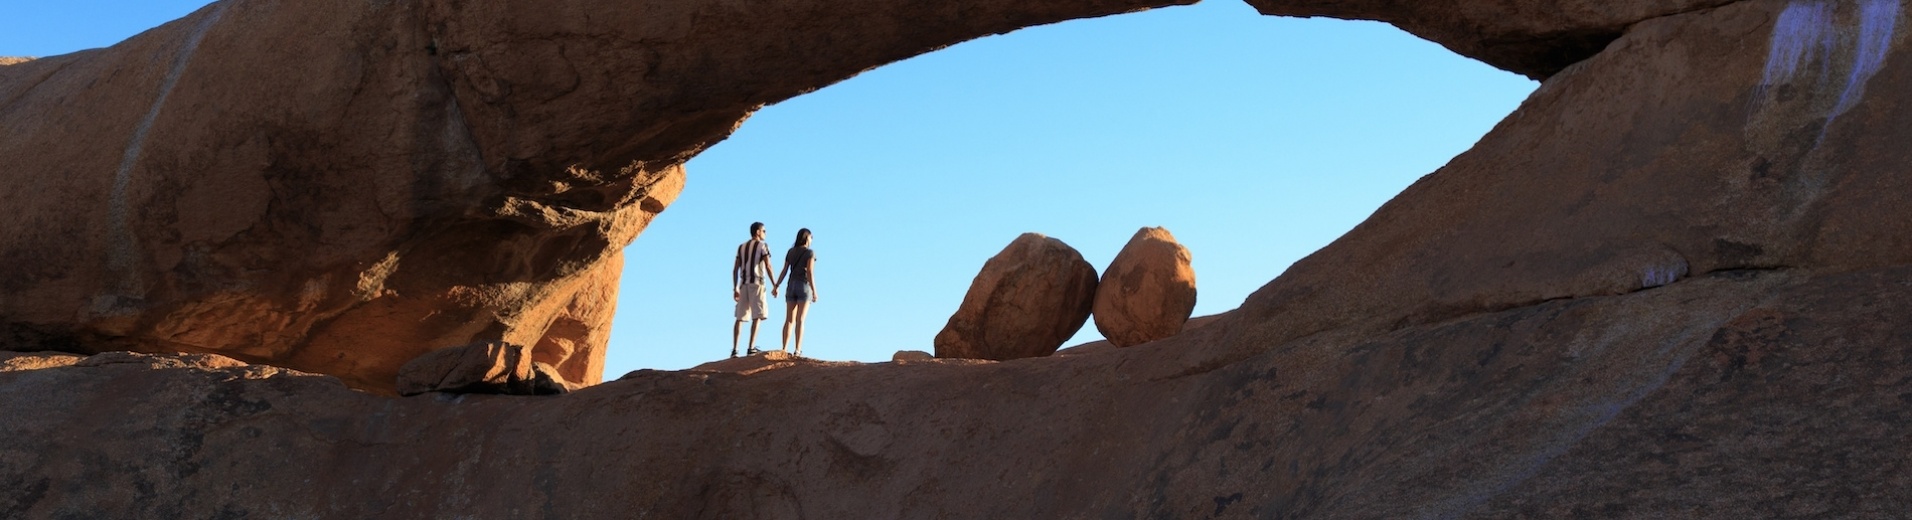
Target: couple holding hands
751 269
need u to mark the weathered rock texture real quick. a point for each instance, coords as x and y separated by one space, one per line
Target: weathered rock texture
1027 300
1672 285
12 60
1147 292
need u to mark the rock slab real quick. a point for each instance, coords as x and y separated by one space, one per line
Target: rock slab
1148 291
1027 300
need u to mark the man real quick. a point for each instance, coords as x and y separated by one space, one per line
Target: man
748 274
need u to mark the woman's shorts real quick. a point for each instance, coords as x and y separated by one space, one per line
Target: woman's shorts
798 293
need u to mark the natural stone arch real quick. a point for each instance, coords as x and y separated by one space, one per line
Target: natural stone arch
341 186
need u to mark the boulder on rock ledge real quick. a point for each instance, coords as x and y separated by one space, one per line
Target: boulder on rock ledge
1147 292
1027 300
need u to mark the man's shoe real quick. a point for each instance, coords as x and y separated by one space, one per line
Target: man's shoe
752 352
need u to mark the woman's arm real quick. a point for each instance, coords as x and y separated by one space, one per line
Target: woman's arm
778 280
813 278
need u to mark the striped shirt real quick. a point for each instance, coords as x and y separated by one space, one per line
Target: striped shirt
751 258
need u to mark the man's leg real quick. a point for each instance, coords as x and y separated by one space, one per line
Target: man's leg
753 333
735 329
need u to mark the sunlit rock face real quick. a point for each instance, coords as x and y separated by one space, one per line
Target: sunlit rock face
1671 285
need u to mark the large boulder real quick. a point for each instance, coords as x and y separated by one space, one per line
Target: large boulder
1147 292
1027 300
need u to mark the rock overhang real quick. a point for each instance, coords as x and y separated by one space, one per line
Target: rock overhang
1536 39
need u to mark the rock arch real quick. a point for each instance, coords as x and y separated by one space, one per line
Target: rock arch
341 186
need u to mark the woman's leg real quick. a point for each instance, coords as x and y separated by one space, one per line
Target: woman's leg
801 310
789 313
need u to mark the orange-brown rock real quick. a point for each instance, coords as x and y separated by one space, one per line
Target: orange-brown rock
12 60
1147 292
1027 300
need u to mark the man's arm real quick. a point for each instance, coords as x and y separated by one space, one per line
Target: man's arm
736 275
778 281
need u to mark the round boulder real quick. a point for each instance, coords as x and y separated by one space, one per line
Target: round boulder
1148 292
1027 300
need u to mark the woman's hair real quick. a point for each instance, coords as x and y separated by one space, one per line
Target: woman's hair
803 238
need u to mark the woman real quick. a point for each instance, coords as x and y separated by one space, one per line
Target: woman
800 267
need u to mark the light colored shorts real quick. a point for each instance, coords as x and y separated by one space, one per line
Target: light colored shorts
753 304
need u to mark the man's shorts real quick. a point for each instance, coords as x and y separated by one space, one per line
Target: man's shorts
753 303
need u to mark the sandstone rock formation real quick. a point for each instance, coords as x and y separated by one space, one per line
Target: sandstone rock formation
903 356
1147 292
1671 285
12 60
1027 300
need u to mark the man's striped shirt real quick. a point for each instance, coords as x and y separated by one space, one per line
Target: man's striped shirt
753 255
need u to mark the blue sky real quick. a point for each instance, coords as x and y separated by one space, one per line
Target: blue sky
1255 140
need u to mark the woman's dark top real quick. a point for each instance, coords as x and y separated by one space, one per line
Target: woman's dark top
799 259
